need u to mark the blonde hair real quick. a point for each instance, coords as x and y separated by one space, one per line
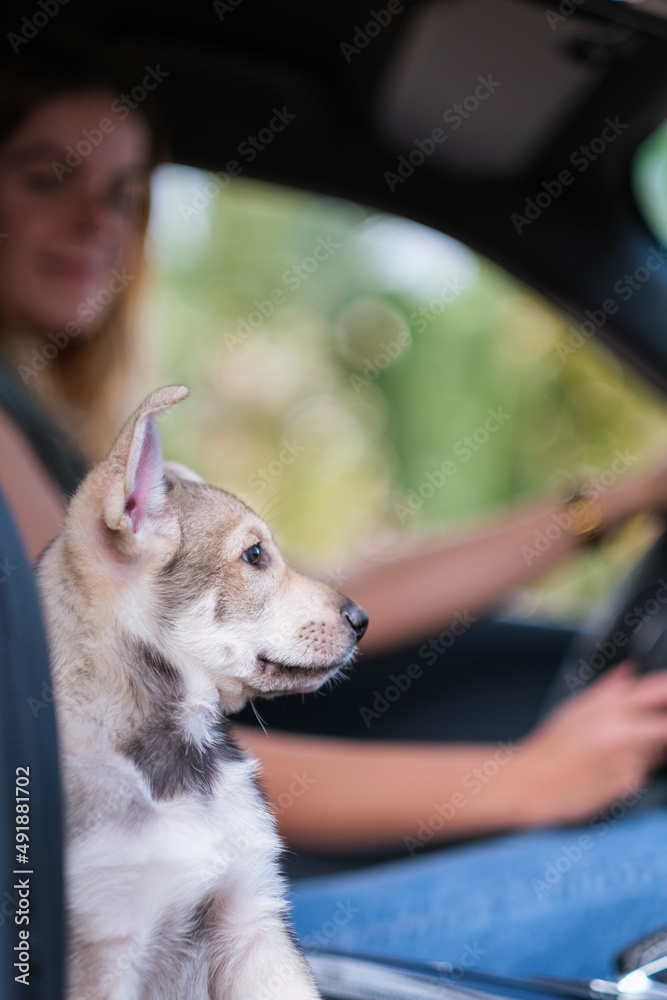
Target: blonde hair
91 384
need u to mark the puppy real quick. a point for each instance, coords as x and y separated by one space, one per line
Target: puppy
167 607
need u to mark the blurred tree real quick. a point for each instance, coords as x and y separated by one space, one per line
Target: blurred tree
356 376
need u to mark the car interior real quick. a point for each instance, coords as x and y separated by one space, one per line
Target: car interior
559 177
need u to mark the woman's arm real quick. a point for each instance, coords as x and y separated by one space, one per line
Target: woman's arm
33 499
339 793
417 591
344 794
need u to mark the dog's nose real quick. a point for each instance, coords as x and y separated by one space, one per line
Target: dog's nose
357 618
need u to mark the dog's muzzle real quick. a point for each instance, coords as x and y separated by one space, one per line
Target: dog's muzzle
274 676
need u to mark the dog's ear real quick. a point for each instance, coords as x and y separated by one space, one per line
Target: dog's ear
136 492
183 472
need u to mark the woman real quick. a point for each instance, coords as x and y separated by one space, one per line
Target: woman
74 213
74 207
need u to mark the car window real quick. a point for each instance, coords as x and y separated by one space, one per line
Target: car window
357 376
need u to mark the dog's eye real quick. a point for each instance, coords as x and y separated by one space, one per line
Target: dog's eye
253 555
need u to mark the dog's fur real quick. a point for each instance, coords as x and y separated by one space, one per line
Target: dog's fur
168 606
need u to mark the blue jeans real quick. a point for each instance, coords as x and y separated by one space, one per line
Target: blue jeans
556 901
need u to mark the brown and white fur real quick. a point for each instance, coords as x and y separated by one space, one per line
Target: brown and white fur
168 606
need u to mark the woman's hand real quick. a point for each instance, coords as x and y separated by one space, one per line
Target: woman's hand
594 747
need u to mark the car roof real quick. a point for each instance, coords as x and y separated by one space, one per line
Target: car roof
553 100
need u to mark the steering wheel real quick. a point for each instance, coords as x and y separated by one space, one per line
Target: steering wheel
633 627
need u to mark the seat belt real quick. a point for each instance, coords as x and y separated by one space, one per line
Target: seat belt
65 466
31 892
